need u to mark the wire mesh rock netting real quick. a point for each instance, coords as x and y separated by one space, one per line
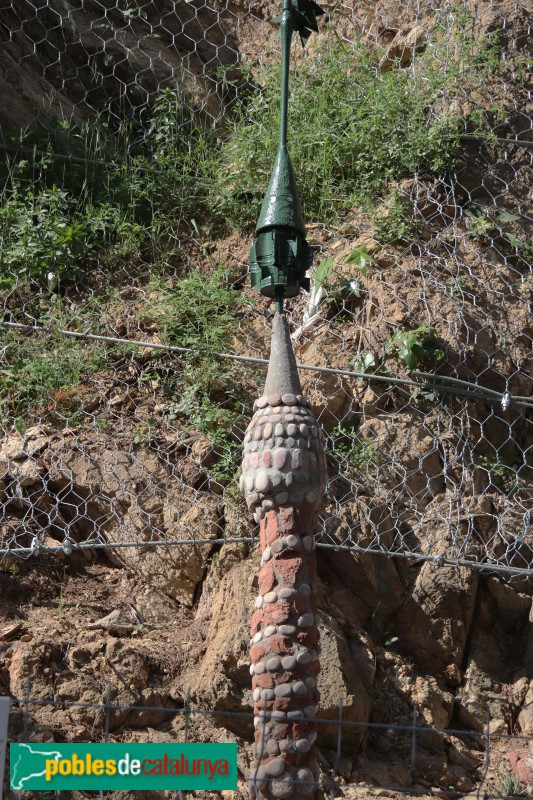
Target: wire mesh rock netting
136 145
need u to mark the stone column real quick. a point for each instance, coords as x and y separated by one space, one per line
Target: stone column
284 475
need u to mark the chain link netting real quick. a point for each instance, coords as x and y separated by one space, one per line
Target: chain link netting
136 145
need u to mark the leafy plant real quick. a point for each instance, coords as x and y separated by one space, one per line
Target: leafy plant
416 345
361 258
353 450
394 220
367 128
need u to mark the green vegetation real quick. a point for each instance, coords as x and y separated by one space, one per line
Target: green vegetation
416 345
354 451
364 128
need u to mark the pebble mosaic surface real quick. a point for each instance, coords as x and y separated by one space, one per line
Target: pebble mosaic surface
284 462
284 474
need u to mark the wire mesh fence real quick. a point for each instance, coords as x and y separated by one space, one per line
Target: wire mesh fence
26 712
136 149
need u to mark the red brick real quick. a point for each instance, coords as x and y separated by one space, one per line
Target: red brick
267 579
255 623
257 652
281 644
283 703
308 638
308 758
301 604
263 681
313 668
272 530
262 533
281 730
288 567
300 729
288 519
289 759
306 517
275 614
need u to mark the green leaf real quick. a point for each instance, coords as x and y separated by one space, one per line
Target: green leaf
361 258
505 216
323 271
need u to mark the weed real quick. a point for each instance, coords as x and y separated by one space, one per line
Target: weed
500 475
394 220
354 451
367 128
509 785
416 345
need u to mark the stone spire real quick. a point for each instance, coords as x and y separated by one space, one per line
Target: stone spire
283 479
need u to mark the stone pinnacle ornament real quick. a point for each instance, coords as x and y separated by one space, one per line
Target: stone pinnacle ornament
283 479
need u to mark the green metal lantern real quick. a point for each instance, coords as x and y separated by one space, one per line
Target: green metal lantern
281 256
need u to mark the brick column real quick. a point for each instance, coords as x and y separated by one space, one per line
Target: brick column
284 474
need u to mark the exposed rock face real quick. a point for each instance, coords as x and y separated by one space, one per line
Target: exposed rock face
284 474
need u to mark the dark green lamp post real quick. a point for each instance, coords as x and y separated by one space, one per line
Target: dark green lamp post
280 256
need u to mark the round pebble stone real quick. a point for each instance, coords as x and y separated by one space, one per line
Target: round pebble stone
289 479
249 483
252 669
304 657
304 430
267 458
314 431
277 546
300 399
266 554
302 745
258 602
268 504
256 694
257 518
291 442
270 630
283 690
297 497
292 429
275 479
270 597
272 747
306 620
299 687
304 589
262 402
262 481
295 715
261 513
309 711
258 779
289 417
259 668
273 664
257 434
286 745
310 497
288 399
282 787
287 630
267 431
241 483
310 683
267 694
281 498
277 410
279 715
293 541
279 430
274 418
288 662
285 593
274 399
247 437
304 781
314 655
312 737
280 441
308 543
280 457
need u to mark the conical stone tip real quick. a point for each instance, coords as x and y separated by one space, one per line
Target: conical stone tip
282 376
